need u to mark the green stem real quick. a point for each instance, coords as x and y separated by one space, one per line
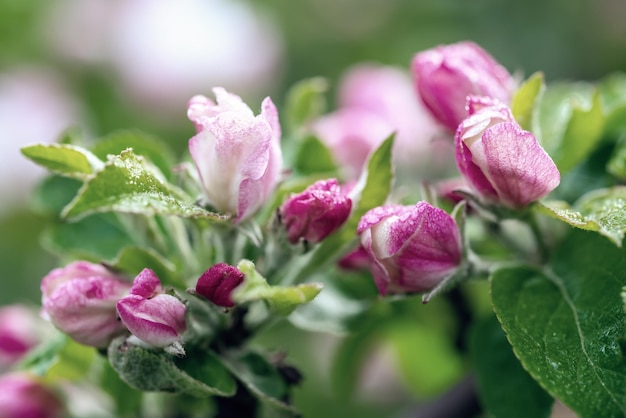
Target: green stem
543 248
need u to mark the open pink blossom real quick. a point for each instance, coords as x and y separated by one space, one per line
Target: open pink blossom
446 75
80 299
237 154
316 212
151 315
503 163
412 248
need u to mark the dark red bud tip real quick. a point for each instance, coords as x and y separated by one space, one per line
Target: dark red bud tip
218 282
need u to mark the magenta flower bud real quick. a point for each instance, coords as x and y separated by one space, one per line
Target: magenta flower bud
23 396
156 318
20 330
218 282
412 248
444 77
237 154
316 212
80 299
503 163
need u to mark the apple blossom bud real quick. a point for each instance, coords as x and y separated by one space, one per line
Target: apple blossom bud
156 318
316 212
80 299
412 248
23 396
503 163
446 75
21 329
237 154
218 282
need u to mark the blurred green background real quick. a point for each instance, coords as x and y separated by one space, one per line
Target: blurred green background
103 65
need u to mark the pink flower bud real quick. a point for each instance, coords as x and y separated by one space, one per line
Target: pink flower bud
316 212
80 298
218 282
237 154
151 315
446 75
503 163
20 330
412 248
23 396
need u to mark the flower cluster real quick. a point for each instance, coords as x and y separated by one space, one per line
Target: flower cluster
241 202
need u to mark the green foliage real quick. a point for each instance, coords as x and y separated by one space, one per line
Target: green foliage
305 101
282 299
127 184
602 211
148 146
565 323
528 94
152 370
570 122
260 377
612 90
506 389
132 260
127 399
313 157
64 159
59 358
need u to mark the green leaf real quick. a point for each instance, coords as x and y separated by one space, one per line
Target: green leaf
570 122
53 193
201 375
565 324
582 134
305 101
127 399
59 358
349 359
127 184
141 143
602 211
332 311
314 157
260 377
282 299
506 389
133 260
374 188
44 356
64 159
617 164
95 238
426 356
525 99
613 94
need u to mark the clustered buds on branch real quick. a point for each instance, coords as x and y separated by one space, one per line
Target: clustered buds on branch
239 163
